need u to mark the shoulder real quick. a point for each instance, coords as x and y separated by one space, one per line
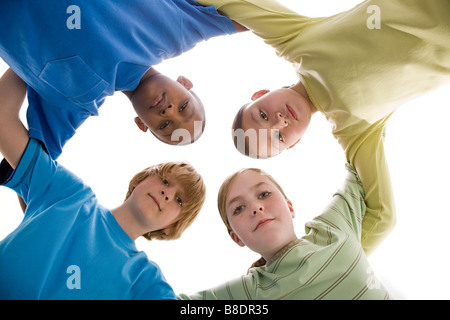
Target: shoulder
40 180
10 177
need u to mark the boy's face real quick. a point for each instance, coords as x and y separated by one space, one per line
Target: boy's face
164 105
259 215
157 202
279 119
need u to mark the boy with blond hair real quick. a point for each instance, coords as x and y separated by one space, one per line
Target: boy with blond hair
68 246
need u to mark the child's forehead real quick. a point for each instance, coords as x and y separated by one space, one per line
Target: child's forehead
247 181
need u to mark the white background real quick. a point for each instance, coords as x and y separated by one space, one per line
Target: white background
108 150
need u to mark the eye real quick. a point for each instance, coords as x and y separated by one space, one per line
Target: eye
280 137
165 181
263 115
179 201
277 135
264 195
238 210
163 125
184 106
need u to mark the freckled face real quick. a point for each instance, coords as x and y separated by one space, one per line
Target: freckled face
259 215
165 105
283 115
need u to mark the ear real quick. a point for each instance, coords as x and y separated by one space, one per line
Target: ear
185 82
259 94
166 231
291 208
140 124
236 239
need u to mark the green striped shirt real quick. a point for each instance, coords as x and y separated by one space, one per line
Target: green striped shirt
327 263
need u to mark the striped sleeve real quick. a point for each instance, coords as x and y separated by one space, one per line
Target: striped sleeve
241 288
345 212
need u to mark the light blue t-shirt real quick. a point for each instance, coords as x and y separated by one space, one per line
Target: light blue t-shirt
73 57
68 246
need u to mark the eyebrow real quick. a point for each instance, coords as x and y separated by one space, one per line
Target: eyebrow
274 140
256 186
256 120
188 118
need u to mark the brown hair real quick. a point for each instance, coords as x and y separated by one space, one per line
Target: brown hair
194 190
235 128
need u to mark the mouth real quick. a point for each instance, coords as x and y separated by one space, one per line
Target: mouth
154 200
158 101
262 223
291 113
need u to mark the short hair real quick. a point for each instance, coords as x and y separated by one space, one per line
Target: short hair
194 190
244 139
195 138
237 138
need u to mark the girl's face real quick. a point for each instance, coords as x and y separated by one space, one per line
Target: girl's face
157 202
259 215
279 119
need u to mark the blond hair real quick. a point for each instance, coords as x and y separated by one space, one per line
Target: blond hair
194 190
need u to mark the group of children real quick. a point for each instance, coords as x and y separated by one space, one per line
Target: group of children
354 75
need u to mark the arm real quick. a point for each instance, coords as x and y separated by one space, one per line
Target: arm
239 27
268 19
13 134
242 288
365 152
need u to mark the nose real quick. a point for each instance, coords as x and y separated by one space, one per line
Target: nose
168 193
281 120
166 110
258 210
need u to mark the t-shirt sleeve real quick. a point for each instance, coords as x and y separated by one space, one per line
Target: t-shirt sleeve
344 213
39 180
209 23
365 152
152 284
51 122
276 24
241 288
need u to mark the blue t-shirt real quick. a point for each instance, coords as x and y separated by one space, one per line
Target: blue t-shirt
72 58
68 246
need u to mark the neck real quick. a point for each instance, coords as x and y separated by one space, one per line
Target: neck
127 222
150 72
300 89
279 250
